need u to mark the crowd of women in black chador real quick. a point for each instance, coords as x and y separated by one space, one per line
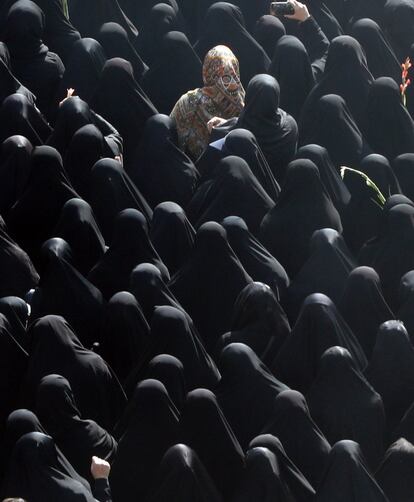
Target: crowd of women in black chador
206 251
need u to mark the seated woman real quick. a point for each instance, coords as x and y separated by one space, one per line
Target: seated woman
33 64
221 96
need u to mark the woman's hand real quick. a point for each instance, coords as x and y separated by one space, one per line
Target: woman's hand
100 469
301 11
215 122
69 94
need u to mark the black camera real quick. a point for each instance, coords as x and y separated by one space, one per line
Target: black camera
282 8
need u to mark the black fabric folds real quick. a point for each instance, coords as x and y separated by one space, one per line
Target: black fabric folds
325 271
63 290
224 25
275 130
363 306
336 130
130 246
120 100
318 327
149 426
390 370
173 333
233 191
292 68
302 439
78 227
293 483
86 147
83 69
78 439
303 207
389 259
89 17
182 476
169 371
114 40
205 429
112 190
403 167
384 107
37 68
38 471
381 58
331 179
256 260
259 322
125 334
345 406
148 287
34 216
347 478
267 31
172 235
18 274
60 35
160 170
15 156
97 392
346 74
195 283
246 392
393 474
242 143
176 62
19 116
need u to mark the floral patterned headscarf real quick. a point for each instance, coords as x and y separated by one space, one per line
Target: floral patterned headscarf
221 76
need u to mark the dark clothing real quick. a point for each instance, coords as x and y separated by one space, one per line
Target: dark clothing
59 34
172 235
96 390
115 41
78 438
363 306
195 284
232 191
159 168
390 370
149 426
381 59
319 326
33 64
345 406
347 478
112 190
303 207
276 131
246 392
78 227
83 68
384 107
34 216
182 476
120 100
301 437
224 25
347 75
130 246
63 290
259 322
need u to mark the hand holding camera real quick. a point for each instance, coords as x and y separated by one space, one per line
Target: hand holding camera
291 10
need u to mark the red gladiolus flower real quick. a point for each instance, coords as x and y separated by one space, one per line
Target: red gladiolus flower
405 80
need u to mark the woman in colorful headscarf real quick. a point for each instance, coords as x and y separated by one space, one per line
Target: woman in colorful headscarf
221 96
